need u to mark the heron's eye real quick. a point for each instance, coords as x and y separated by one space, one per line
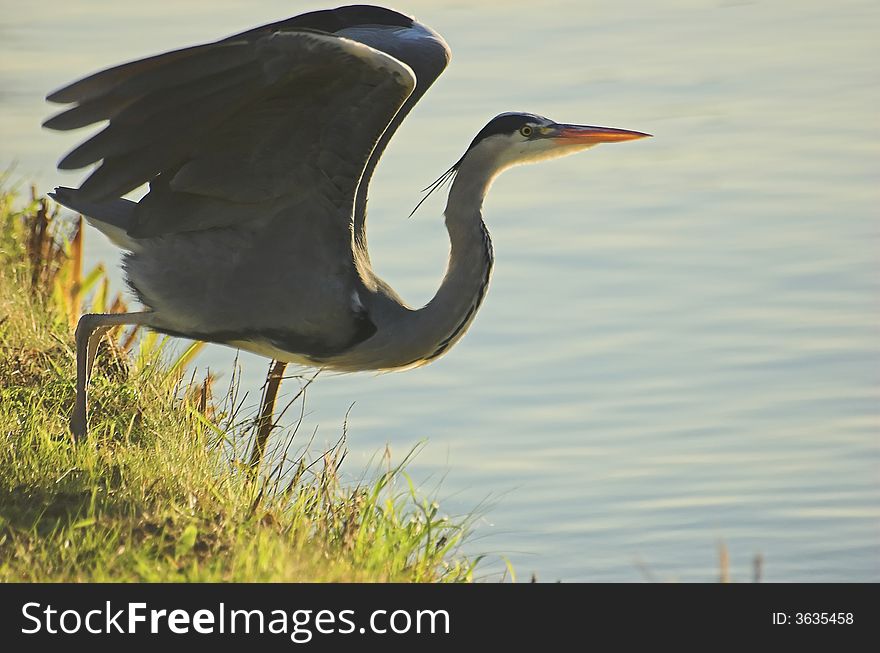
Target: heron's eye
525 130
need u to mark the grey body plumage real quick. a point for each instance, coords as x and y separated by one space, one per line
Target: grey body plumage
258 150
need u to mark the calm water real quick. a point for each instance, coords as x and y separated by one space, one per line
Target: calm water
680 346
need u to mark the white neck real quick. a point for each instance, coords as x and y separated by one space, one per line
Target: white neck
409 338
448 315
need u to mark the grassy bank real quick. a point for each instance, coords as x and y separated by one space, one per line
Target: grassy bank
154 494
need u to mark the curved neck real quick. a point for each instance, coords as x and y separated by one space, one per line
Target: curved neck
409 338
445 319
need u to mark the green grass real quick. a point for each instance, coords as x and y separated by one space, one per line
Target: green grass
154 494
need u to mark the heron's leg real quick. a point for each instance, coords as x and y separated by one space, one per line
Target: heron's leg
267 410
89 331
92 350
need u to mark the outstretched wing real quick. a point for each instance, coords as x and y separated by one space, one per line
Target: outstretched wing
396 34
277 128
219 128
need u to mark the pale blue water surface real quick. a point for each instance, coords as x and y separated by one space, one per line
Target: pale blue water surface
680 345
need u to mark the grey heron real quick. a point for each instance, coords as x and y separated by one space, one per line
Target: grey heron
258 150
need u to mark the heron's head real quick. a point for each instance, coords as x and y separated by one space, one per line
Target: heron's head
511 139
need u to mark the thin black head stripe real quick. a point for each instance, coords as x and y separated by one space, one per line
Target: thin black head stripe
506 123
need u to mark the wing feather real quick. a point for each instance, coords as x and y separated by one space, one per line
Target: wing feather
274 131
247 121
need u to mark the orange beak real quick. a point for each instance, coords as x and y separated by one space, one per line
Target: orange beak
594 135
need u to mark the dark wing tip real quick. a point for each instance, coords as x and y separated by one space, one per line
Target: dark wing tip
62 95
58 122
62 194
